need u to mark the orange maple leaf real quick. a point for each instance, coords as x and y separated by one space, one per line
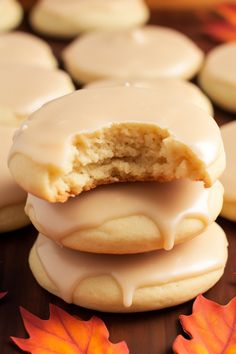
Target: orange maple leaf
63 333
212 328
228 12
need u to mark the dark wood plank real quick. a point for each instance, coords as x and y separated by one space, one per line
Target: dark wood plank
145 333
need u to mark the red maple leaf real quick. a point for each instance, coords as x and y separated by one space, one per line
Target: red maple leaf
212 328
63 333
3 294
221 31
221 24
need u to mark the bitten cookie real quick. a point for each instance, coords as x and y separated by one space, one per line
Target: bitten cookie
114 135
21 47
144 53
25 88
129 218
165 87
131 283
228 178
67 18
218 78
11 14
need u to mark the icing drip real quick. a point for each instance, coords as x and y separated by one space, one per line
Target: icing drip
166 204
67 268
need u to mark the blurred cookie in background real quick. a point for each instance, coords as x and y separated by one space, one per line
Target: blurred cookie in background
23 89
21 47
218 76
143 53
68 18
228 177
11 14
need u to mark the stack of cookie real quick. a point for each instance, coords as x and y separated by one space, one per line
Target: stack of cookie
142 244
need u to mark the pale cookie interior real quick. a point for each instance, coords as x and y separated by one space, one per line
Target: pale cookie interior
124 152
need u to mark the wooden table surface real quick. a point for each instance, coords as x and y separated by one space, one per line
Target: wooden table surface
145 333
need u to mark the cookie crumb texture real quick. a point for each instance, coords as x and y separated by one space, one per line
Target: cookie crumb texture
129 152
121 153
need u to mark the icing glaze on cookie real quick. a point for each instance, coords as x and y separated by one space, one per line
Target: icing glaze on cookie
147 52
11 193
166 204
94 109
228 177
165 87
66 268
24 88
21 47
71 8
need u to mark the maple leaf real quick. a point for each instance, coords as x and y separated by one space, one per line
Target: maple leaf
221 31
3 294
63 333
221 24
228 12
212 328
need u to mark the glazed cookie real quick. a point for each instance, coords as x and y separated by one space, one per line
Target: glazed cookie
67 18
165 87
12 201
24 88
228 178
119 134
144 53
131 283
21 47
129 218
218 78
11 14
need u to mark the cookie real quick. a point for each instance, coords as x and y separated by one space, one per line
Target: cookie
130 283
166 87
129 217
217 77
113 135
144 53
12 201
22 47
24 88
11 14
67 18
228 178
